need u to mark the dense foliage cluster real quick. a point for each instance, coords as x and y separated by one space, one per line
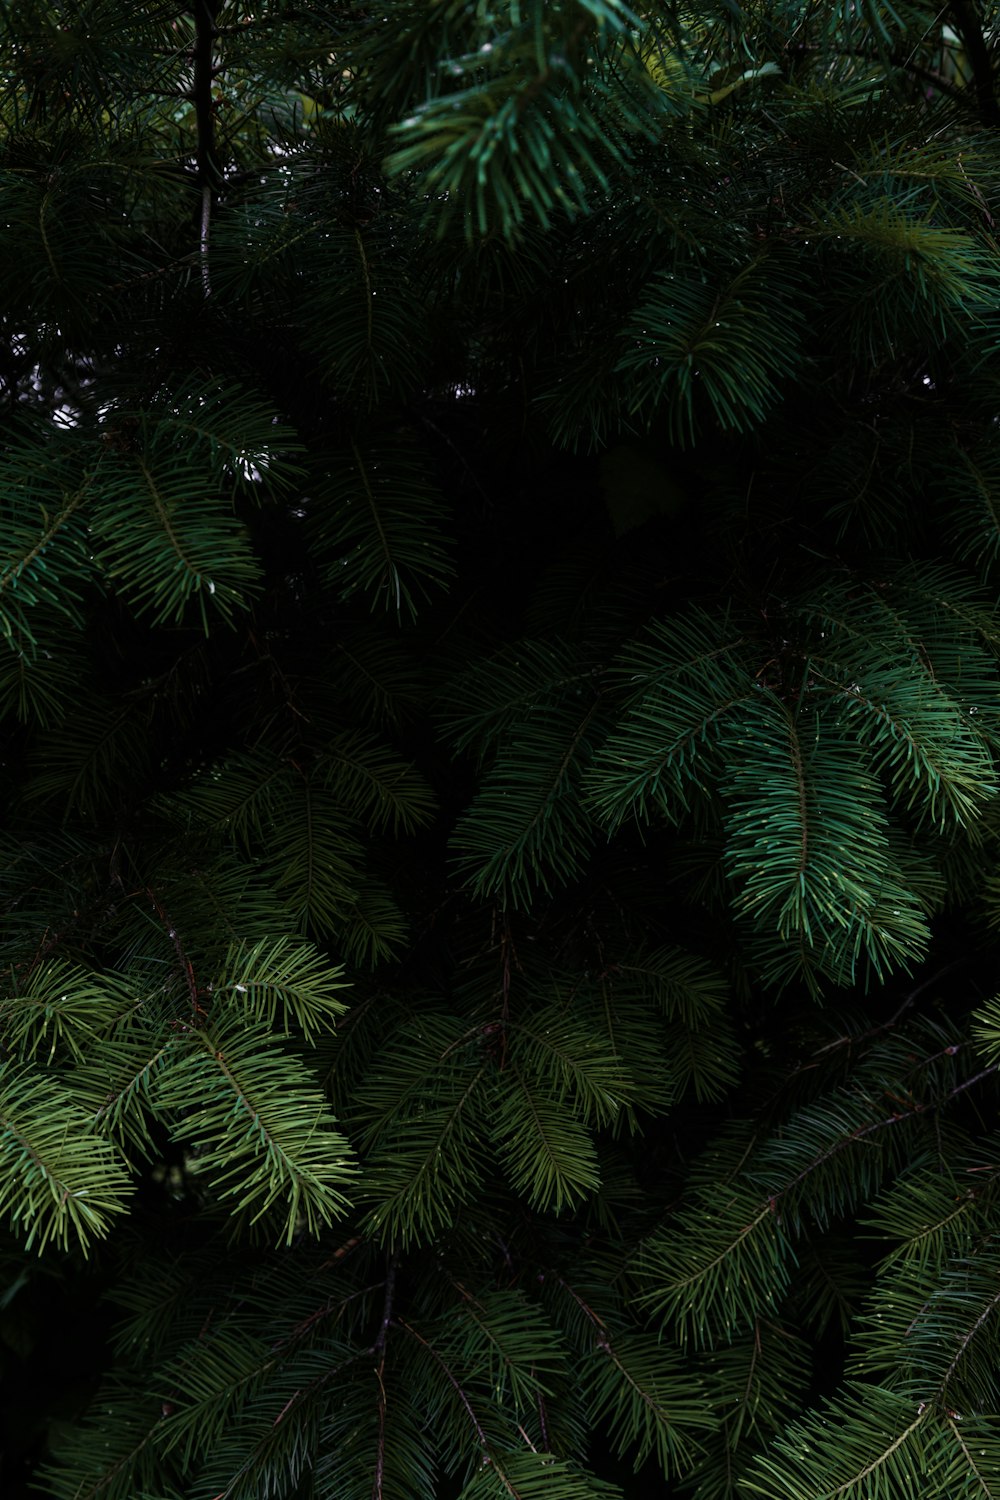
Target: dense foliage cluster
499 718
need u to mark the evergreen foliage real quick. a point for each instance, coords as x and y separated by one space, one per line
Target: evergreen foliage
500 726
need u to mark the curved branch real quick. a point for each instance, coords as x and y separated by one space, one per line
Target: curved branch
209 176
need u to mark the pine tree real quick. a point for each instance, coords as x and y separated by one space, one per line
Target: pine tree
500 725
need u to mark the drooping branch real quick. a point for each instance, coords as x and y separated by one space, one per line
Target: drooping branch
209 175
390 1289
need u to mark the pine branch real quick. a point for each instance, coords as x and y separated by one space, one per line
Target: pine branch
378 1437
260 1132
381 788
496 696
91 1467
563 1055
60 1182
873 1443
648 1402
265 980
165 551
378 526
808 841
44 548
721 1271
528 827
420 1109
60 1007
685 678
691 348
548 1154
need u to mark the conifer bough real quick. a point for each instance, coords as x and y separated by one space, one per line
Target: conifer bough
500 718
